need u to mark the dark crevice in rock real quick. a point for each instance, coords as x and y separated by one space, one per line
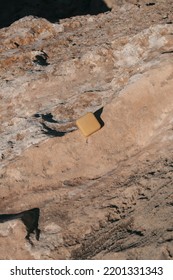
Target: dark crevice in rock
150 4
167 52
52 132
52 10
46 117
136 232
41 59
29 218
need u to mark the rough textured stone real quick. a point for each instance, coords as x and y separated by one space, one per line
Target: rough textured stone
98 197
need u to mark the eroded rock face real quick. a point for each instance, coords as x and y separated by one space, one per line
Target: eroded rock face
49 96
105 190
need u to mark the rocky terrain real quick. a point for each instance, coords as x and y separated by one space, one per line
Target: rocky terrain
109 196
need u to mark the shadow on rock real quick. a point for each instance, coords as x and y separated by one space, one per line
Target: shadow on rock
52 10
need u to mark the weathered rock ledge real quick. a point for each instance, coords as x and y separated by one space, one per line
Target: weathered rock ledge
98 197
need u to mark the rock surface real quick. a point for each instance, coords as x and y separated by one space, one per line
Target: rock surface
98 196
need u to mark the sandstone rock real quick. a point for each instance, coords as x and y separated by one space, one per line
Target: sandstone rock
41 99
98 196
